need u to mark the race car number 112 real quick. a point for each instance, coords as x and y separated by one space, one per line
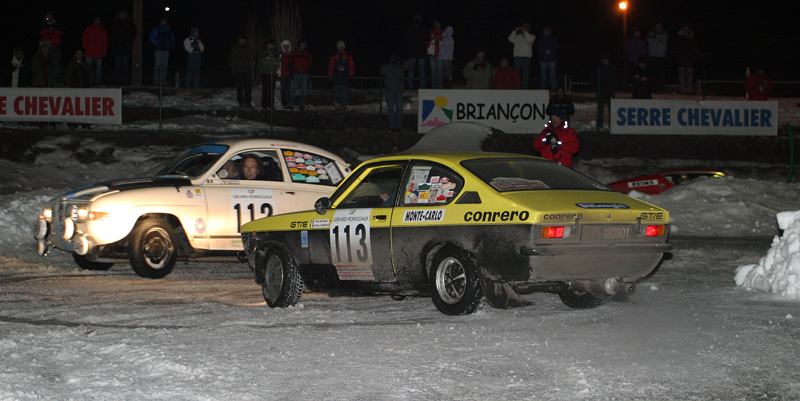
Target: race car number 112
350 239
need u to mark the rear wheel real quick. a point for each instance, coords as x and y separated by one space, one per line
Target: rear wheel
152 252
580 299
282 285
454 283
87 264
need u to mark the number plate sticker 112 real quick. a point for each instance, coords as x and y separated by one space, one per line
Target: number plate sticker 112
351 249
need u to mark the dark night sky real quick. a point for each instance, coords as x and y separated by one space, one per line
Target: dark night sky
731 38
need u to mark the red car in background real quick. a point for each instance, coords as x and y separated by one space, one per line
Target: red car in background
659 182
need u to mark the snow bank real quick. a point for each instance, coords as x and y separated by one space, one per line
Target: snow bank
726 207
777 272
17 215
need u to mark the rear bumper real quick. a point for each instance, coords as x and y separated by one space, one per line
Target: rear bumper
598 249
629 262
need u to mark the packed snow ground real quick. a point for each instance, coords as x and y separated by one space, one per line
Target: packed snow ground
204 332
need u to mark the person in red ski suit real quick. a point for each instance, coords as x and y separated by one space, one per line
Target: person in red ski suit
558 141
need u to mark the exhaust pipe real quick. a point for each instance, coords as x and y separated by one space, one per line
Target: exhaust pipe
610 287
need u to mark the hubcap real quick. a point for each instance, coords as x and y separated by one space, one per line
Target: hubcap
157 248
451 281
273 278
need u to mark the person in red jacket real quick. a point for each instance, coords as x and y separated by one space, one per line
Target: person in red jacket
341 70
300 68
558 141
506 77
95 45
758 85
50 35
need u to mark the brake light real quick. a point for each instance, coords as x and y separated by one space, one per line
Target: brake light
654 231
553 232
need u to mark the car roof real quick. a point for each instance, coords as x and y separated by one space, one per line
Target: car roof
452 157
274 143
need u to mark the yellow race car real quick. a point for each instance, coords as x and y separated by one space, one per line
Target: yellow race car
462 228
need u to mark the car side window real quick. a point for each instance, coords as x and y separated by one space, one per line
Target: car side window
377 189
310 168
430 184
258 165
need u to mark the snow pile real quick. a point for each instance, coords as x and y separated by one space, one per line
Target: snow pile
726 207
778 272
17 216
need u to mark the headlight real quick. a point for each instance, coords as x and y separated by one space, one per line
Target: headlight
82 214
47 214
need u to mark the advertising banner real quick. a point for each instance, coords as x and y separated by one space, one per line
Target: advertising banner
511 111
688 117
69 105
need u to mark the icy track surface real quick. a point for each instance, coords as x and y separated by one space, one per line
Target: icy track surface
204 333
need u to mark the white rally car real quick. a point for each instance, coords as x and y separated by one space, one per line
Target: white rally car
192 208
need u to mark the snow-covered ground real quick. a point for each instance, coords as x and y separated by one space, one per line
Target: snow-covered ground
204 332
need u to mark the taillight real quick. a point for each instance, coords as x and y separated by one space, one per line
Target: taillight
553 232
654 231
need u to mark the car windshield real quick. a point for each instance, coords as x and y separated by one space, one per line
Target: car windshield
506 175
194 162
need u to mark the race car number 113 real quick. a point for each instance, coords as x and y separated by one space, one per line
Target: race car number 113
350 239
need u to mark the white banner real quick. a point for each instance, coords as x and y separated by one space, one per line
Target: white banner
511 111
70 105
688 117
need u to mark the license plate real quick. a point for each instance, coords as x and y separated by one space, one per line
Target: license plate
606 232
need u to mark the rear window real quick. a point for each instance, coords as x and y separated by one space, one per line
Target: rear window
507 175
311 168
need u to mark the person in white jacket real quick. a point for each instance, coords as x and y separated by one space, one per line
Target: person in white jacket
523 51
446 56
193 47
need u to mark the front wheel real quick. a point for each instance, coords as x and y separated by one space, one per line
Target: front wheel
454 283
152 252
580 299
87 264
282 285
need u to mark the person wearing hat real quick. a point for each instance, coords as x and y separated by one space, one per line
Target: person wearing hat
341 70
193 47
163 40
606 80
557 141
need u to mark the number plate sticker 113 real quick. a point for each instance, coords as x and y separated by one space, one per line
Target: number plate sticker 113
351 249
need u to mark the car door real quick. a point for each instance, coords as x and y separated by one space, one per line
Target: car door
426 196
359 233
234 201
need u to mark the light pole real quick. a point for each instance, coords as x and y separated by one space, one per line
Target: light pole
623 6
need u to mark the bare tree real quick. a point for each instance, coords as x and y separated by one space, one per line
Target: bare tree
286 24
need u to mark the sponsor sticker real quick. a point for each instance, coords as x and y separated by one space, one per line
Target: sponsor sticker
516 184
424 216
320 223
643 183
304 239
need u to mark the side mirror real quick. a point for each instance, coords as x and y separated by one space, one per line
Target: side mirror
322 204
222 173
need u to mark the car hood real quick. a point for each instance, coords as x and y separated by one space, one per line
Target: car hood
127 184
588 206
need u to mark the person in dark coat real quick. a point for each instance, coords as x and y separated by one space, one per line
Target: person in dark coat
417 37
393 82
17 73
78 73
686 50
548 56
194 47
163 40
341 70
269 62
606 81
121 37
44 68
561 101
641 82
243 62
